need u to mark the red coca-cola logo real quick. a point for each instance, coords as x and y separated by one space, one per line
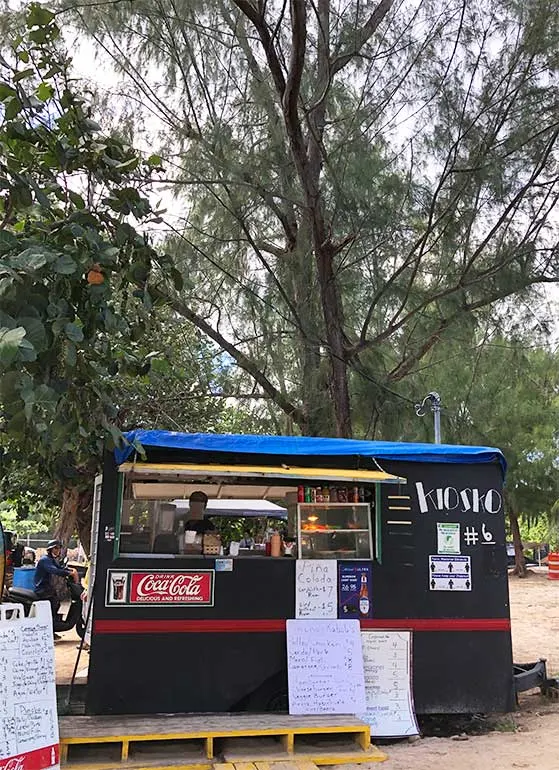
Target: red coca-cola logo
16 763
171 588
39 759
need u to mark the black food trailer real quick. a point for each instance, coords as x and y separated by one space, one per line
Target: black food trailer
182 625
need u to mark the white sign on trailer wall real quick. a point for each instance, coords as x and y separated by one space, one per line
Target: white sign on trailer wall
325 667
28 715
450 573
448 537
316 588
388 688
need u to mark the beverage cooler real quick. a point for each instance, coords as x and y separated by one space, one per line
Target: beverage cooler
195 551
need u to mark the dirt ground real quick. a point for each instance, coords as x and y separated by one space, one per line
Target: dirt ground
528 738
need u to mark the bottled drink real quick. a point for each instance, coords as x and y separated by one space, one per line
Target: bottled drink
364 596
326 494
307 494
313 494
342 495
319 497
333 495
361 494
355 495
275 544
300 494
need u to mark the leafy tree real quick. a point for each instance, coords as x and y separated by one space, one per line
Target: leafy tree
359 179
498 391
73 270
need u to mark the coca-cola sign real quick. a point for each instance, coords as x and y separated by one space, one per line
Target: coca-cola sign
14 763
39 759
164 587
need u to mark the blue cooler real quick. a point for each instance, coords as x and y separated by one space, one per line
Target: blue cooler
24 577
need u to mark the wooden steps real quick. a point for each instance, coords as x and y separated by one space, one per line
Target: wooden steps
220 741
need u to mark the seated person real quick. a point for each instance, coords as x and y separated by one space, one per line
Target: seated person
197 522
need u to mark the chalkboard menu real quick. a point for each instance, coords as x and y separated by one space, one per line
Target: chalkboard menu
325 667
28 717
386 660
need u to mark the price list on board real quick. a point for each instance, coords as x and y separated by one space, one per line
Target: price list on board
325 667
388 691
28 715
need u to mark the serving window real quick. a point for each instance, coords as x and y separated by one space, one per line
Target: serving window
161 527
339 518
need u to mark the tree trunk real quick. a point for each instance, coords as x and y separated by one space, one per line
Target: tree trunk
334 324
519 561
75 514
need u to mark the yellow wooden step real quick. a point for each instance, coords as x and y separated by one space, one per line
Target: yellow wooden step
191 742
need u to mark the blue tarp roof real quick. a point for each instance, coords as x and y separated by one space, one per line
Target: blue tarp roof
305 446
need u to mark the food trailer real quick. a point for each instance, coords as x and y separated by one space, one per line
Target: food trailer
182 625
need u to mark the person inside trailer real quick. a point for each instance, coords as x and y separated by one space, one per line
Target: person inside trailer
198 521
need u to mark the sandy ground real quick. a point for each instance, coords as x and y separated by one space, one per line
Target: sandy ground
529 738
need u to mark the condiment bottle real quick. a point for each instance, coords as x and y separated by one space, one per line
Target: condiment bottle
275 549
325 494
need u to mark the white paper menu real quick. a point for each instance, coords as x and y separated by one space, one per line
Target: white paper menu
316 588
28 714
325 667
388 688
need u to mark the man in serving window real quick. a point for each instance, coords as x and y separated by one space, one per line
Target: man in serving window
197 521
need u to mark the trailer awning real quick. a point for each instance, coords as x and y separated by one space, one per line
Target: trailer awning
214 472
223 448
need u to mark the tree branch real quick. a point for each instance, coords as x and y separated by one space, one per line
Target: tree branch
363 36
241 359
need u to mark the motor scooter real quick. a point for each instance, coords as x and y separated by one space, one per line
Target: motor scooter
73 617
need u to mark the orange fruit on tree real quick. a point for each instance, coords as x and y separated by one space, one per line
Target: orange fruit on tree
95 277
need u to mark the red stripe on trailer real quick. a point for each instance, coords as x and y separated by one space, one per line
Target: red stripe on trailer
277 626
440 624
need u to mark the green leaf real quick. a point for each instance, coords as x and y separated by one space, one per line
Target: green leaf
154 160
5 284
176 277
74 332
76 199
40 35
32 259
44 92
90 125
71 355
10 342
23 56
21 195
6 91
35 333
52 71
27 73
39 16
13 107
8 241
65 265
